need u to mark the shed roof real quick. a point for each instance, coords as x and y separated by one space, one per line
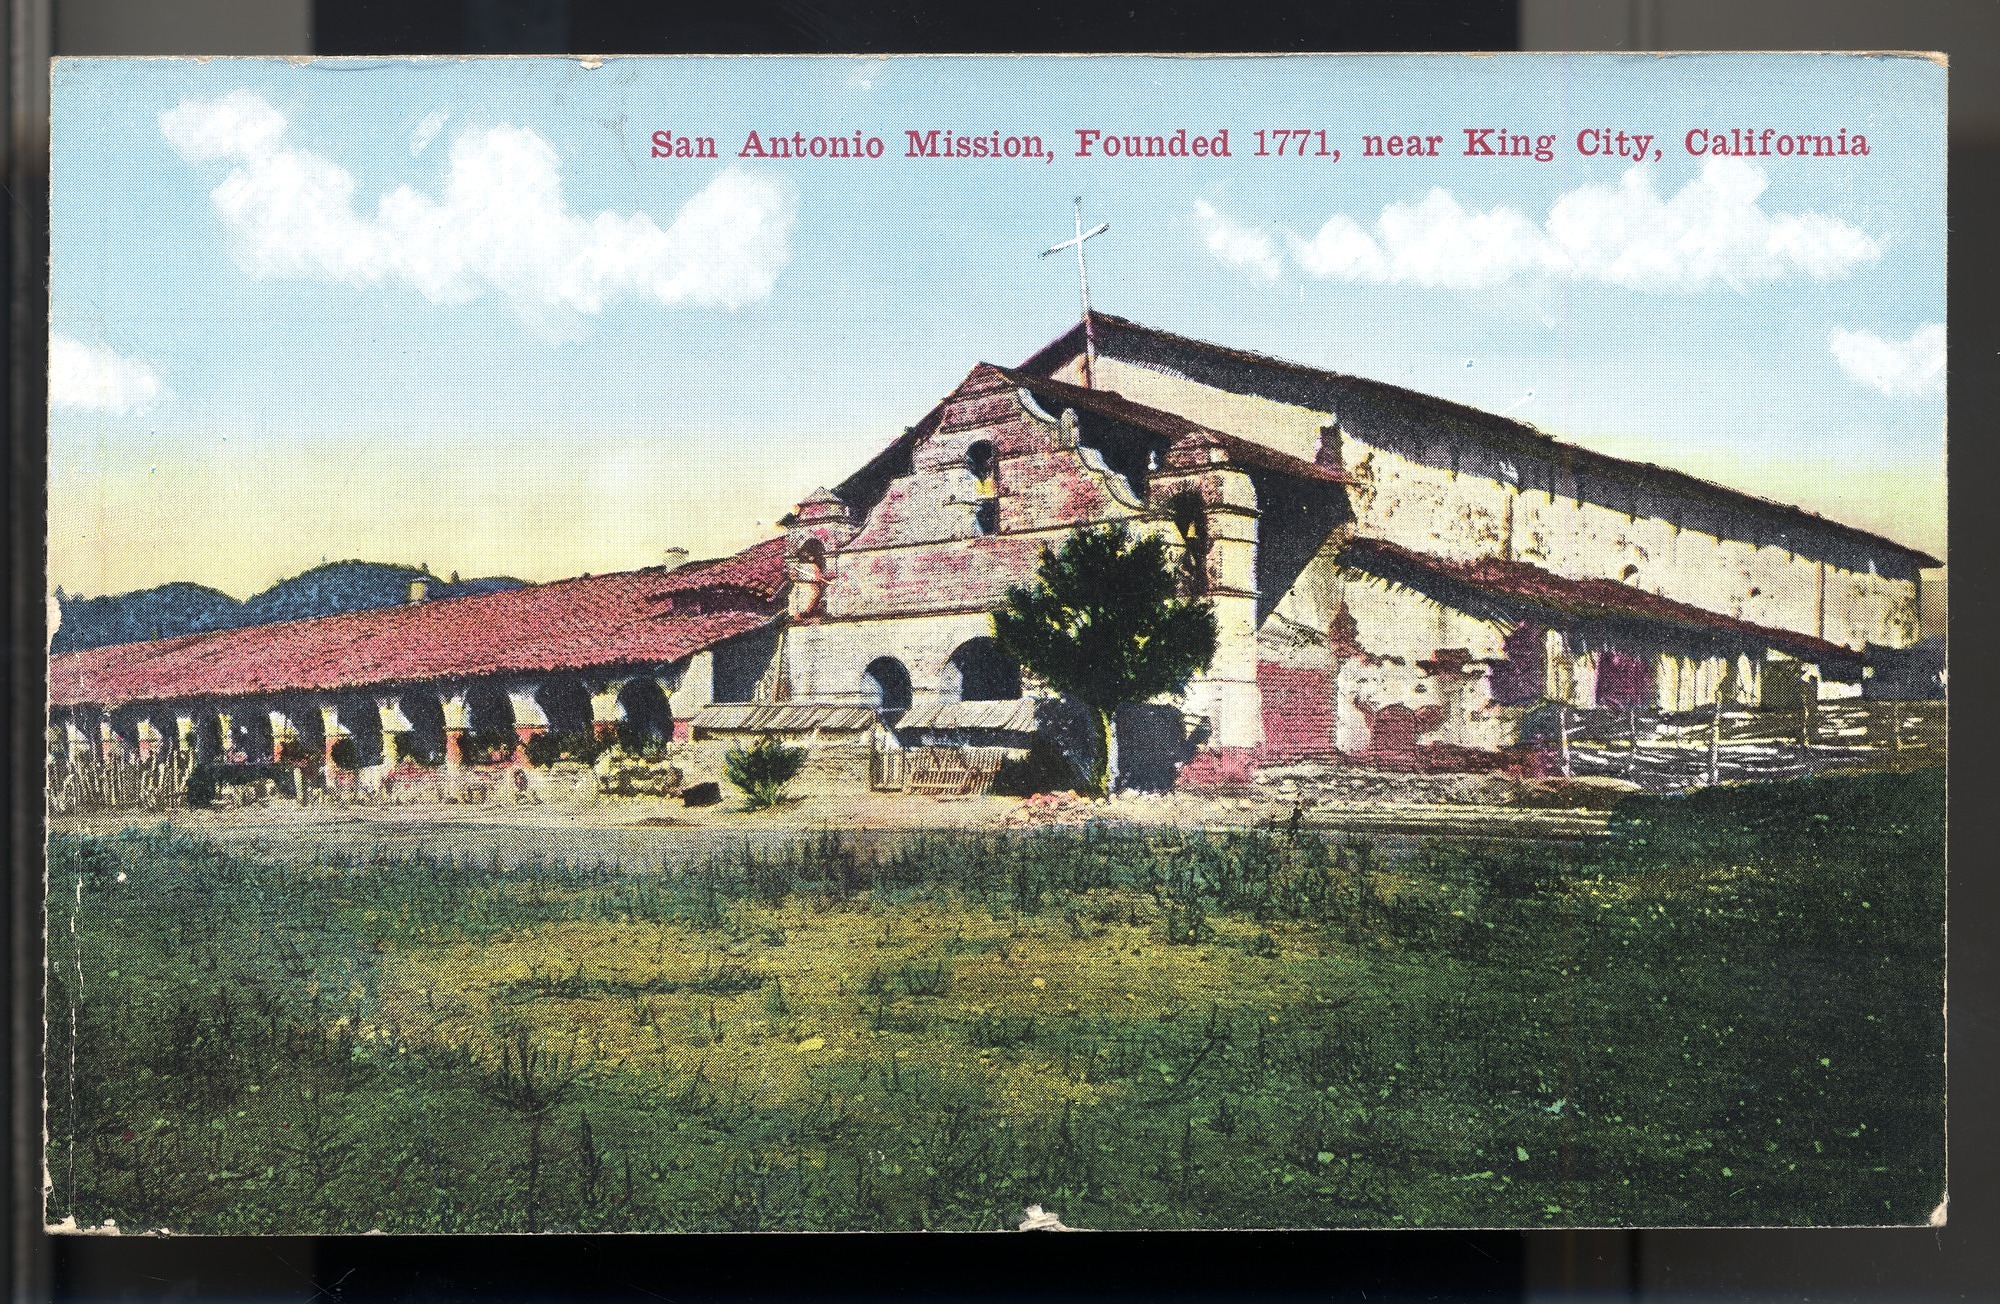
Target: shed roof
1500 588
783 717
574 624
1016 715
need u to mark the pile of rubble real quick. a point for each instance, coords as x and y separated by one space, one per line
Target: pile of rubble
622 775
1054 808
1347 785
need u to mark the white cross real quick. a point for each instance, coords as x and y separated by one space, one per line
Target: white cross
1083 282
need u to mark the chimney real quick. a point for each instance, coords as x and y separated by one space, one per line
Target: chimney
675 558
418 588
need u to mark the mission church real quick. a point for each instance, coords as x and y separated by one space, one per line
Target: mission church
1398 581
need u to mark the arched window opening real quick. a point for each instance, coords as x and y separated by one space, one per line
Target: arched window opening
983 673
363 721
1629 574
887 683
983 463
491 710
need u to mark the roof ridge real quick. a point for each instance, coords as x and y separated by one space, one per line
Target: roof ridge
1242 448
1497 424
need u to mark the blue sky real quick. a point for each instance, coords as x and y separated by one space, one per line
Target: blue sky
451 310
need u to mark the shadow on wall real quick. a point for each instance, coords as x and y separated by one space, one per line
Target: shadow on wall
1152 741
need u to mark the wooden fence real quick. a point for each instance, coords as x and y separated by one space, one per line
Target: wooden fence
1664 751
953 771
117 781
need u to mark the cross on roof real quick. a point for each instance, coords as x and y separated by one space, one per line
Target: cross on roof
1083 283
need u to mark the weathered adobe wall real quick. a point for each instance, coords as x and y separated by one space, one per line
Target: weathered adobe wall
1338 651
1467 515
1533 511
827 660
1365 647
919 551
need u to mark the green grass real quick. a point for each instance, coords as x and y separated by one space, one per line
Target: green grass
1729 1012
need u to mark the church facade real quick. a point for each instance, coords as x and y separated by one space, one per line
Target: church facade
1397 580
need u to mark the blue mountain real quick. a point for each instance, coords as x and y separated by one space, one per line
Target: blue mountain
180 608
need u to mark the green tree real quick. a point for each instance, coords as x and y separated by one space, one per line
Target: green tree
1104 623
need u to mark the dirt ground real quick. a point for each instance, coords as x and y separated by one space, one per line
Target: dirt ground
573 821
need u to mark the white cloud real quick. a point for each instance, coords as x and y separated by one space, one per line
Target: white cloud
93 378
1713 230
1235 244
1898 368
501 226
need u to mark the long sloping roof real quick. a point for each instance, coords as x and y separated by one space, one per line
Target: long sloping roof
1110 403
1498 587
1295 382
575 624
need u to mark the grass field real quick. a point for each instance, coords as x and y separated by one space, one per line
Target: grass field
1729 1012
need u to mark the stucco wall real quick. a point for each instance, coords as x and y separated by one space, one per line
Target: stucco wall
1534 509
1381 646
828 659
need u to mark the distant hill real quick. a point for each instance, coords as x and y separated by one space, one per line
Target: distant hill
163 612
174 609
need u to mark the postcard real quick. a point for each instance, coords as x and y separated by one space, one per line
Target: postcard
733 644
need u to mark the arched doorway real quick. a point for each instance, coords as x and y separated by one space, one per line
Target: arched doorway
363 721
566 702
886 683
425 741
490 724
207 735
979 671
252 727
645 716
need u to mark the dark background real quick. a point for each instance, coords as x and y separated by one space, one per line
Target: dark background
1956 1262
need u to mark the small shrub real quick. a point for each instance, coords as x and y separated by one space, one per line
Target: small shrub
726 980
1000 1032
1184 921
763 772
345 755
410 747
491 746
546 749
922 980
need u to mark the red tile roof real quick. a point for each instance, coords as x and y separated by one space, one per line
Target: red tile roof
1517 582
758 570
576 624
